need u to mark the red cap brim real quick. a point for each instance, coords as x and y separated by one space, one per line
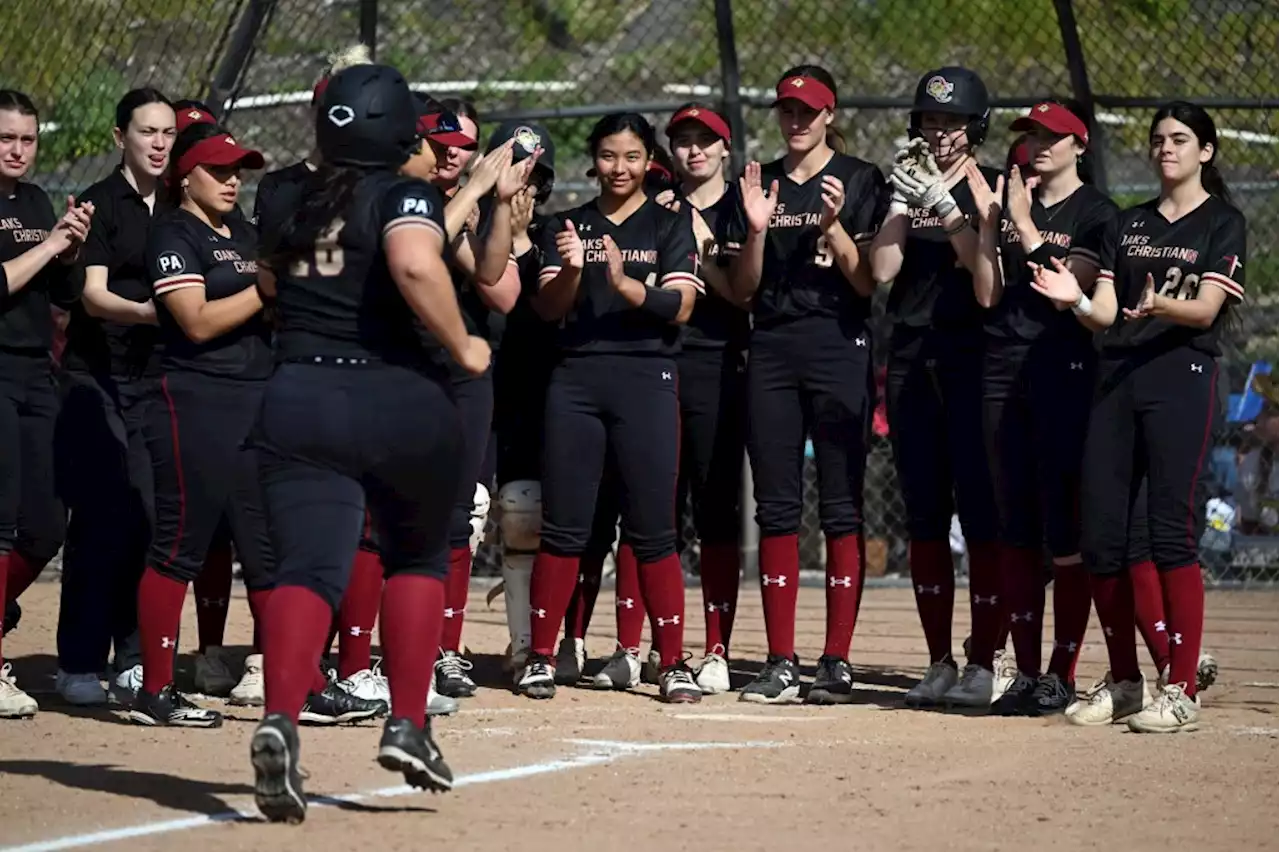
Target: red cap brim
221 150
808 91
1052 117
427 126
709 119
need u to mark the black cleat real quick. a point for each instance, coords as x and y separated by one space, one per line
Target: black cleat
568 663
1017 698
452 679
170 708
277 785
538 679
1051 696
12 615
833 683
410 750
336 706
778 682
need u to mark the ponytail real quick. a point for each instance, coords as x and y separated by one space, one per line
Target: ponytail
1211 180
836 140
328 193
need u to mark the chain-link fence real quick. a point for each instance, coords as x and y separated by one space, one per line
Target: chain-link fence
566 62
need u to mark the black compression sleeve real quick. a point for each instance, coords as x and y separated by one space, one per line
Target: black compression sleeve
663 304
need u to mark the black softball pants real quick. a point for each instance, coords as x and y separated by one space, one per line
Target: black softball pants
1035 411
203 473
934 403
474 398
520 380
809 377
1154 416
32 519
331 438
713 421
627 405
106 480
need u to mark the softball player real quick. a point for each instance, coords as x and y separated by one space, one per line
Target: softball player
38 251
1038 374
712 364
355 269
798 251
927 247
621 276
1170 270
110 380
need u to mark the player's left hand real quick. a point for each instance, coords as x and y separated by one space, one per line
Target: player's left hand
832 201
1058 284
1146 303
616 272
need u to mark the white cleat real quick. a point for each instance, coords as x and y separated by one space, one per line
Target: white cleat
251 690
940 679
713 674
370 685
82 690
437 704
213 672
1108 702
621 671
125 685
14 703
973 690
1005 669
1172 712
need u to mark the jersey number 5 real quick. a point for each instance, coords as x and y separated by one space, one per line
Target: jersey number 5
1179 286
824 257
326 258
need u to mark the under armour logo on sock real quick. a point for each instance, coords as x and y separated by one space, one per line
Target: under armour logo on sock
166 642
859 341
715 607
626 603
1197 368
356 631
1160 627
780 581
450 612
666 375
1070 646
667 622
213 602
540 613
1108 631
1175 638
847 582
1014 617
1077 365
928 590
979 600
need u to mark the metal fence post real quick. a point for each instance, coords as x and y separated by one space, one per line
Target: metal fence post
1080 88
238 51
369 26
729 83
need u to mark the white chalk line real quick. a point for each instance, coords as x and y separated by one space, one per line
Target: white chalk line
598 752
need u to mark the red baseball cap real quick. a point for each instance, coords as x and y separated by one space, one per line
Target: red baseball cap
1055 118
192 115
708 118
444 128
220 150
808 90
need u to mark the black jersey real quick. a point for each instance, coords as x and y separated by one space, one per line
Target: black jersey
26 218
1206 246
272 182
716 322
118 241
479 318
339 300
800 276
933 289
1073 227
658 250
184 252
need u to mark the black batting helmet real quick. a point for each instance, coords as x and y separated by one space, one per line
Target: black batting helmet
954 90
367 117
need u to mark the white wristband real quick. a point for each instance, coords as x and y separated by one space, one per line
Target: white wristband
1031 249
1083 306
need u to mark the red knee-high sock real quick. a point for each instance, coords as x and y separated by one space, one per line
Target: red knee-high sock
779 587
22 573
456 586
662 587
358 612
1113 598
1071 601
258 599
990 624
1184 610
934 578
1148 603
1020 574
295 621
412 616
844 587
159 614
550 588
720 572
585 592
212 588
4 582
630 600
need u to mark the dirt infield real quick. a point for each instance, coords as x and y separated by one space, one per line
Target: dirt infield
591 771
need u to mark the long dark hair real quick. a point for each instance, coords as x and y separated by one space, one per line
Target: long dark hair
1201 124
133 99
622 122
835 138
15 101
186 140
1085 167
327 194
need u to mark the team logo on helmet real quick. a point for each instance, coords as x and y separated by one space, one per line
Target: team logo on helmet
341 116
939 88
526 138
